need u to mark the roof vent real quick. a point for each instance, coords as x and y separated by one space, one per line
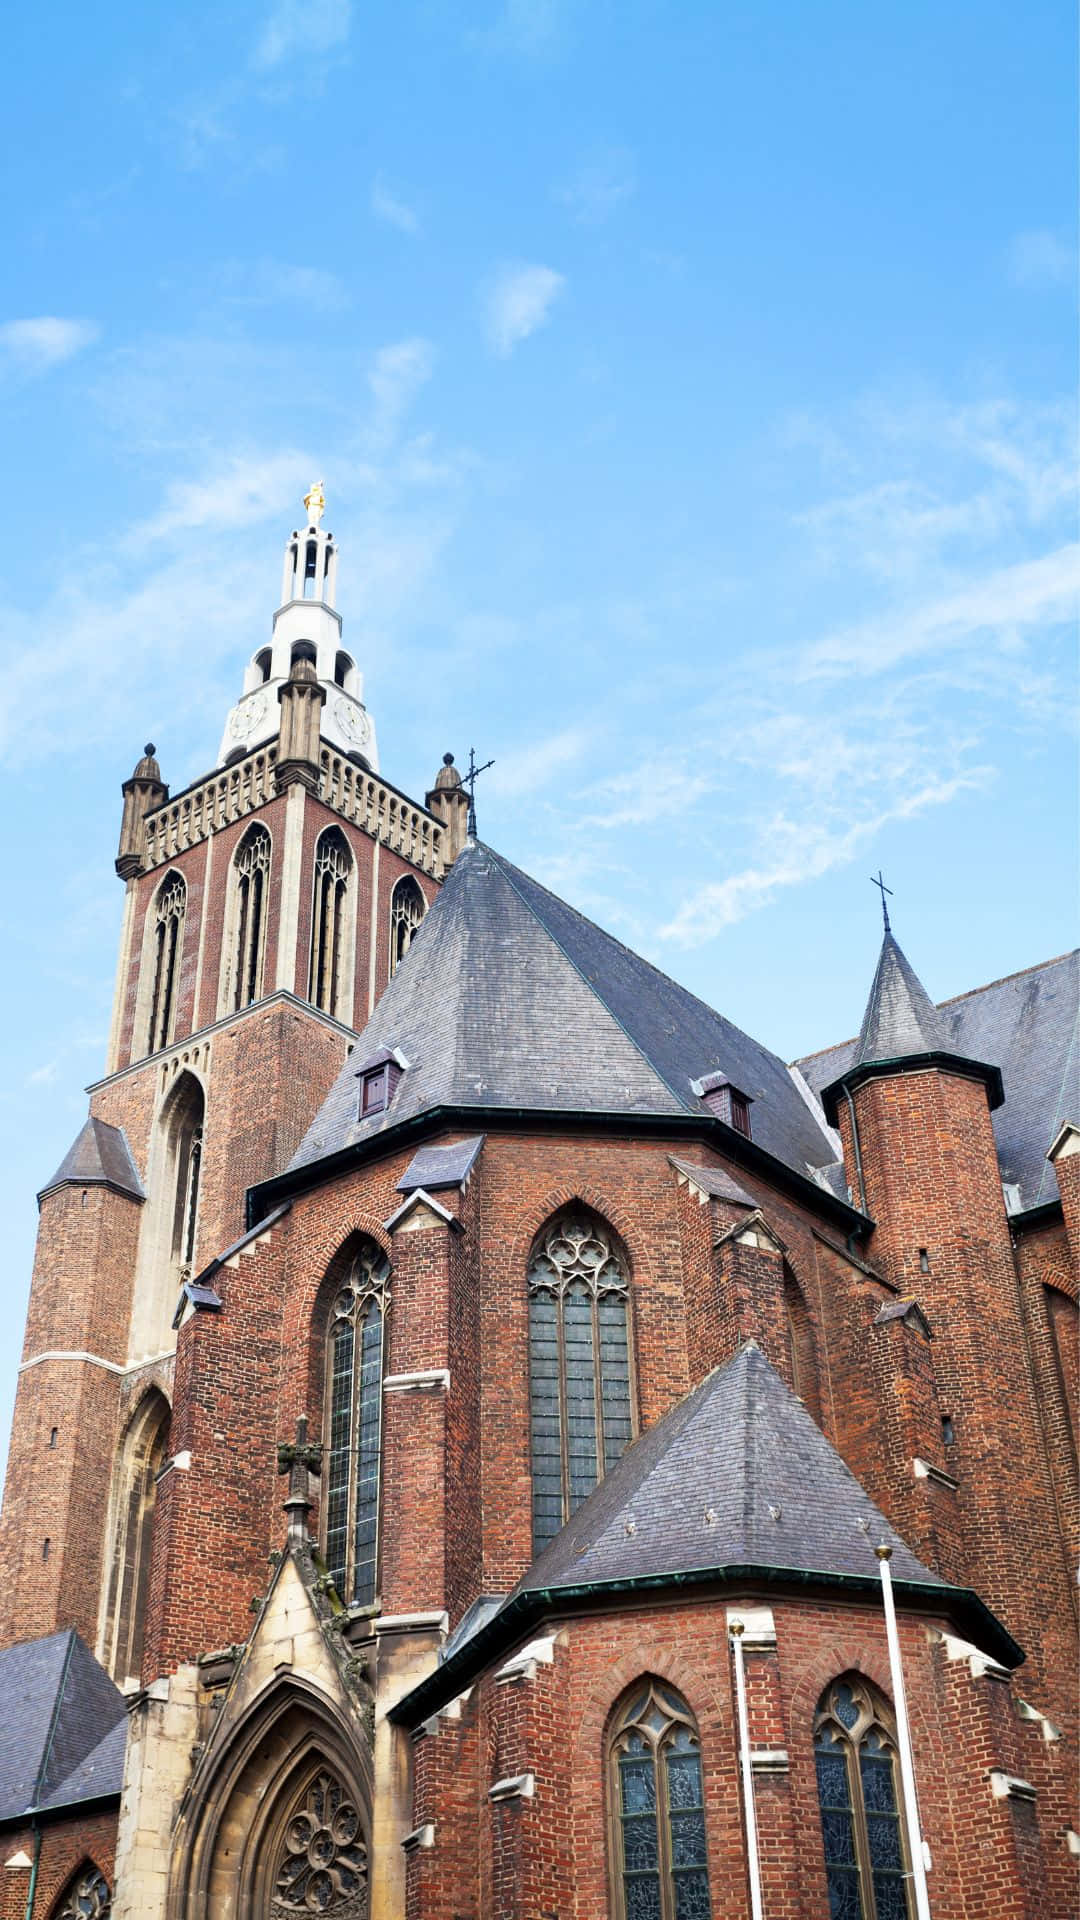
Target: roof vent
725 1100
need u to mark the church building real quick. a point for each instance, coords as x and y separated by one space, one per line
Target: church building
495 1442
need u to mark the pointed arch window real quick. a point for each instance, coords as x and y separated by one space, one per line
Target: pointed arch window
407 909
86 1897
142 1457
354 1376
658 1811
170 908
581 1416
186 1117
800 1344
322 1859
251 880
855 1754
333 875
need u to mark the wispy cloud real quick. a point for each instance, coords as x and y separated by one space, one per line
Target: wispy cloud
519 302
600 186
265 282
33 346
527 770
528 27
398 373
388 206
1041 258
302 28
43 1076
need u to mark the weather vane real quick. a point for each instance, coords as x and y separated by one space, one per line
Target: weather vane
469 780
877 881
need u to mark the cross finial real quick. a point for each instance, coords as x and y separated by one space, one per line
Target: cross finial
877 881
469 780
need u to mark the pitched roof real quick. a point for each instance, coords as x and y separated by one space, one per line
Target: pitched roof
509 998
435 1168
98 1156
736 1483
714 1181
65 1725
737 1474
1026 1024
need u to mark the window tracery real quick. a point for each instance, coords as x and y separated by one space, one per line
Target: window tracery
323 1864
88 1898
579 1365
333 870
407 909
142 1456
186 1141
855 1754
251 877
354 1371
170 910
658 1808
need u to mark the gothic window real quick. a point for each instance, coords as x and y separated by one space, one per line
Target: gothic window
187 1111
251 878
322 1864
579 1365
800 1341
333 871
87 1897
855 1753
142 1457
407 909
1062 1314
354 1374
164 958
658 1808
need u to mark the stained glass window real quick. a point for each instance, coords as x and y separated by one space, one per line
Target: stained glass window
579 1366
87 1898
658 1807
354 1374
865 1863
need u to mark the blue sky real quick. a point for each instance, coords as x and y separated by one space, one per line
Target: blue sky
692 386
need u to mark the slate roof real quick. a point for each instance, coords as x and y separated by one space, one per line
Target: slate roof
900 1016
64 1726
714 1181
435 1168
737 1447
98 1156
1026 1024
509 998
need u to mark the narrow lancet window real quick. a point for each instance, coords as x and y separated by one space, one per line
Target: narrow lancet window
168 941
658 1803
142 1457
186 1115
579 1365
333 872
407 909
855 1754
354 1376
251 880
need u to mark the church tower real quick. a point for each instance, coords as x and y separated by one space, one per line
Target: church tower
265 908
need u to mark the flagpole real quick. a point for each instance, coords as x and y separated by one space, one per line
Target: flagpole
916 1846
756 1909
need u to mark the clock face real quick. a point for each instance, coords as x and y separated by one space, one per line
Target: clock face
248 715
352 720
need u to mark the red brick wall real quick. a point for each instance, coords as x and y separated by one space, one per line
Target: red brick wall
66 1845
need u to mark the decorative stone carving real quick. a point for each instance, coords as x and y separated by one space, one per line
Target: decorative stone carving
323 1866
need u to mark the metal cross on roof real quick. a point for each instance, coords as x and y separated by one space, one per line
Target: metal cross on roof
469 780
877 881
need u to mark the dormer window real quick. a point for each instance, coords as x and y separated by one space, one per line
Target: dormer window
725 1100
378 1079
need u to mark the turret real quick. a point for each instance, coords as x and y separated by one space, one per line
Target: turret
449 802
302 701
142 792
306 626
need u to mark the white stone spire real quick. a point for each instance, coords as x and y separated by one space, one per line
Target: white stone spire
307 625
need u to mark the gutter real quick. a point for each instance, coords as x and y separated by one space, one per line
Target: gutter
1046 1214
522 1610
267 1194
914 1063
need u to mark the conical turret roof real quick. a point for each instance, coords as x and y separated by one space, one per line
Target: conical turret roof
900 1017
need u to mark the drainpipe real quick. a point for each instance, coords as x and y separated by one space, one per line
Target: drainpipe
32 1888
917 1848
736 1631
858 1149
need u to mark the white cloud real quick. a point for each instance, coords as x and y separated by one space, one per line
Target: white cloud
302 28
519 302
43 1076
398 373
262 282
526 769
389 207
33 346
600 186
801 850
1041 258
236 491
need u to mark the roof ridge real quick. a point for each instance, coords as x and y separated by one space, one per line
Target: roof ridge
1037 966
583 977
